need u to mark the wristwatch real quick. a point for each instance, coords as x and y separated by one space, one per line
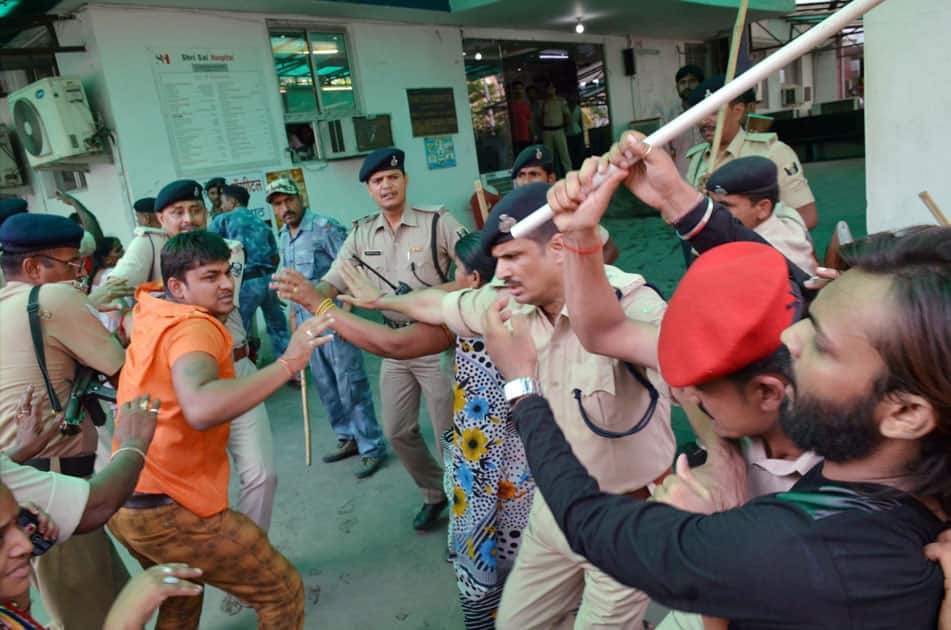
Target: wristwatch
519 387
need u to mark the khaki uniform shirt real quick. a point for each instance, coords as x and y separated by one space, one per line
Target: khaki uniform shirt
766 475
72 336
786 231
142 262
404 254
794 190
64 498
612 398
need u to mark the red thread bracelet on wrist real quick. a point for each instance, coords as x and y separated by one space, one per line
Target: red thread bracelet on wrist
583 252
287 366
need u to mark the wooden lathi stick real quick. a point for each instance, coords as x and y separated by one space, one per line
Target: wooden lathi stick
303 393
730 74
935 210
480 195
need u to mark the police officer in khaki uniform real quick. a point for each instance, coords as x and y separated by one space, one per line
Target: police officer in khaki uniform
80 578
404 247
736 142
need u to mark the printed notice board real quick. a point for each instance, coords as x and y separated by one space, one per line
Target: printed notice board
432 111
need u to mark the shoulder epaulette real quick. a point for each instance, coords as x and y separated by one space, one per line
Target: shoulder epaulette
143 230
766 136
697 148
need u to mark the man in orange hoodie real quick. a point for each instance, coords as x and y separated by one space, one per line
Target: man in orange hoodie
181 352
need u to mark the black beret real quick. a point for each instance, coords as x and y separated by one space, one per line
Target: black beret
180 190
712 85
238 193
382 160
215 182
534 155
751 176
145 204
31 232
10 207
514 207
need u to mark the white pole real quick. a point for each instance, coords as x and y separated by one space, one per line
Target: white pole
729 92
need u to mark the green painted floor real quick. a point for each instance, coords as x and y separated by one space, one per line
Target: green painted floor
363 566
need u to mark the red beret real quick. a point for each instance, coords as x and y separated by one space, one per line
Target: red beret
727 312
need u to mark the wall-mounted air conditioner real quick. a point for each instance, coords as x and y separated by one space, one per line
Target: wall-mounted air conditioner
10 176
53 121
340 138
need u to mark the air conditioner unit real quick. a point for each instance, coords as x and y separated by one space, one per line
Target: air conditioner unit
10 176
791 95
340 138
53 121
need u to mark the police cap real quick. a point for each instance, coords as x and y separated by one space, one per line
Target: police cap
534 155
10 207
145 204
514 207
382 160
32 232
751 176
179 190
712 85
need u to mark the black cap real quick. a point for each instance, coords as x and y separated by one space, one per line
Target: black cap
712 85
752 176
514 207
32 232
533 155
10 207
145 204
238 193
215 182
180 190
382 160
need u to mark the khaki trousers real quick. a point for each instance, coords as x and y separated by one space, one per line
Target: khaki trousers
549 581
79 579
233 553
400 385
251 446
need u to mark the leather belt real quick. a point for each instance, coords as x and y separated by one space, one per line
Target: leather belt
547 128
241 352
144 501
395 324
81 466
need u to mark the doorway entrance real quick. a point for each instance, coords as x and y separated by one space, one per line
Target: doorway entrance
523 92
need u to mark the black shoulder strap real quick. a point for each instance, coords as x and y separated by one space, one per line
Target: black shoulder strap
152 263
36 332
434 246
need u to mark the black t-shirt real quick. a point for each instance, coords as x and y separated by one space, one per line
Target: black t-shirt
825 554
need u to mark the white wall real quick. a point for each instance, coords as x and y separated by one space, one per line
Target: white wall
388 58
907 126
826 76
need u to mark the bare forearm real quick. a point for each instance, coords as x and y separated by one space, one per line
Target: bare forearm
109 489
596 314
403 343
424 305
222 400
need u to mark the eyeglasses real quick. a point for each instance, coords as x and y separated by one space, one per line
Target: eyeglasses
76 264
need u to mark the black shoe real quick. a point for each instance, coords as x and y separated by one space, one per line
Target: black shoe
428 515
345 449
369 465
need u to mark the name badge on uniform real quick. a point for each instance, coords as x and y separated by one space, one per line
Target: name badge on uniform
415 250
373 252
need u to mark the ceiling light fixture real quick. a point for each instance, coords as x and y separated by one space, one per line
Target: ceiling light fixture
579 27
478 56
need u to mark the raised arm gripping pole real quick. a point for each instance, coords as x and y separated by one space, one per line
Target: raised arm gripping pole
730 91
